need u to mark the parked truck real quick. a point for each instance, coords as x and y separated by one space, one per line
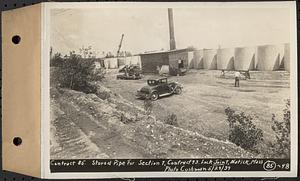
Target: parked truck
130 72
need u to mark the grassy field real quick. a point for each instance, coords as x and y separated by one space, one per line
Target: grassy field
200 107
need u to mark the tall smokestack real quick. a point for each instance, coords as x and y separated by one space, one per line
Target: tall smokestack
171 29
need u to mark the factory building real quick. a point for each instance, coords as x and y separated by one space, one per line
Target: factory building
151 61
175 59
180 59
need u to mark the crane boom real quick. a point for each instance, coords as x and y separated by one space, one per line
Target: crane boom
120 45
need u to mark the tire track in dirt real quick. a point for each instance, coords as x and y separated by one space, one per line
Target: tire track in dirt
68 141
107 137
98 122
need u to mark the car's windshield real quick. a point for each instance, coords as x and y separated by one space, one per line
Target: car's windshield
162 81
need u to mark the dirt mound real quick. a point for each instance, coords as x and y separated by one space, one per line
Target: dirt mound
104 125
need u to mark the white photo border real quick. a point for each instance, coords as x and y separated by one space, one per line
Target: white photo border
45 89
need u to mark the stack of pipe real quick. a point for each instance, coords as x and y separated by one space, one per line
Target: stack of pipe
111 63
210 59
268 57
225 59
190 58
198 59
244 58
287 57
133 60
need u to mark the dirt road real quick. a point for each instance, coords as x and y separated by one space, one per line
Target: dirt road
88 126
200 107
85 126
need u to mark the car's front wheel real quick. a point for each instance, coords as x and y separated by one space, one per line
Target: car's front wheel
178 90
154 96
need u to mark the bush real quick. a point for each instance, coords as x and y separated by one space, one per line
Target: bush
281 147
242 130
77 73
126 120
148 106
171 119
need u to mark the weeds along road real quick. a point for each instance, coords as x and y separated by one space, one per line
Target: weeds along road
200 107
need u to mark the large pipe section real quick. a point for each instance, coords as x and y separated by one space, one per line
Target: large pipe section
198 59
210 59
111 63
244 58
190 57
225 59
281 54
287 57
268 57
133 60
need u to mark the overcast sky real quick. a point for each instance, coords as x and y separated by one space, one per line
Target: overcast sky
146 29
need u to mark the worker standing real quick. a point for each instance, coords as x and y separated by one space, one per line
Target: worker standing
223 73
237 76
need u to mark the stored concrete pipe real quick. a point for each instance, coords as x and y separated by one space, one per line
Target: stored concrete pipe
127 60
133 60
198 59
287 57
190 60
225 59
268 57
112 63
281 53
106 63
121 61
164 70
136 60
210 59
244 58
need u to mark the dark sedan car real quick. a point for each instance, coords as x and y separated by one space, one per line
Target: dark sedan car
158 88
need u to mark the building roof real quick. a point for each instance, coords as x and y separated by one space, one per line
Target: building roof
169 51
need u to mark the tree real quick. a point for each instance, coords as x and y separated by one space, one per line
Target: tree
171 120
56 60
76 73
148 106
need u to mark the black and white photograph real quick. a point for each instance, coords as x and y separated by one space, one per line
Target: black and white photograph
156 84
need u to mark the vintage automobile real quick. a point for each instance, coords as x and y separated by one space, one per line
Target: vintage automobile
157 88
129 76
131 72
